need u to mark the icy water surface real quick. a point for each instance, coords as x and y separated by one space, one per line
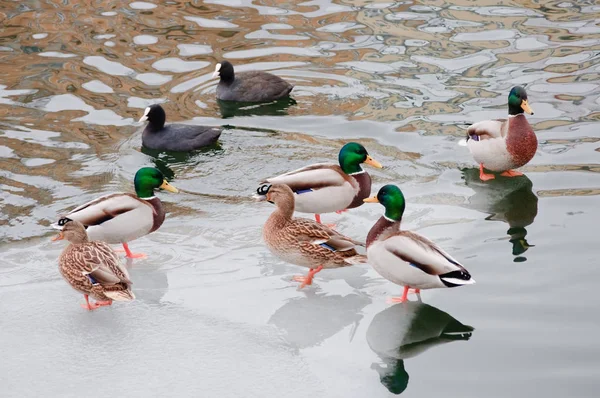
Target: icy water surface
217 315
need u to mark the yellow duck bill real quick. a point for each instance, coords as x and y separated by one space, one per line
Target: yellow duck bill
372 162
168 187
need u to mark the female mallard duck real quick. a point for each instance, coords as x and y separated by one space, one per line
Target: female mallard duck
123 217
503 145
92 268
304 242
407 258
324 188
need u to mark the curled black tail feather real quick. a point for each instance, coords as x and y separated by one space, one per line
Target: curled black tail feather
263 189
456 278
63 221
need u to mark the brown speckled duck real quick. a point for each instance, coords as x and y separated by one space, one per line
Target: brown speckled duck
324 188
302 241
92 268
123 217
504 145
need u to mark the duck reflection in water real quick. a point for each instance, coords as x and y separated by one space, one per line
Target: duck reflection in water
274 108
309 320
511 200
407 330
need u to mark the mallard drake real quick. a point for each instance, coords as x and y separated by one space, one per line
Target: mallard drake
252 86
324 188
92 268
174 137
304 242
123 217
503 145
407 258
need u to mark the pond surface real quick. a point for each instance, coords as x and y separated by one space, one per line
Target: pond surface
217 315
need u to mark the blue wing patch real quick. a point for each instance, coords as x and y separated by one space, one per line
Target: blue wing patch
325 245
304 191
94 282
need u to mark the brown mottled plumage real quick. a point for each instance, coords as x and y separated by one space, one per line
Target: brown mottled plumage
92 268
304 242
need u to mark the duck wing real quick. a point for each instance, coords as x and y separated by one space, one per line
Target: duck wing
99 262
105 208
309 178
487 129
425 255
308 231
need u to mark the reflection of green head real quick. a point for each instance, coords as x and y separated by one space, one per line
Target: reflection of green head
396 380
392 198
147 179
351 156
517 238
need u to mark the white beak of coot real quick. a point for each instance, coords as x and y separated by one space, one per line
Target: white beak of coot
216 73
145 116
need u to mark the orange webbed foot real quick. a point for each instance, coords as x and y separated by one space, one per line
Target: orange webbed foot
307 280
403 298
396 299
511 173
92 306
136 255
483 175
129 254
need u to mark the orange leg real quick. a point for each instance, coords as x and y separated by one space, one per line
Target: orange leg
129 254
318 219
404 297
511 173
482 174
341 211
307 280
92 306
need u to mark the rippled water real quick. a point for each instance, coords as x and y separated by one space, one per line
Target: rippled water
217 314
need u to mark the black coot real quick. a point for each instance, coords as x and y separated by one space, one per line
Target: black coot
253 86
175 137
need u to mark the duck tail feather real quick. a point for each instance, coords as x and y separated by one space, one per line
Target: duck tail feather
358 259
457 278
120 295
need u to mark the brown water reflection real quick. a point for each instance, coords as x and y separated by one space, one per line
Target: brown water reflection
403 78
